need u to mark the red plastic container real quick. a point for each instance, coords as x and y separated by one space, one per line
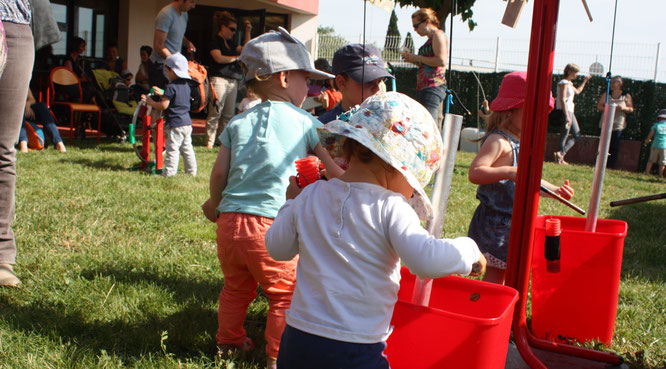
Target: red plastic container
307 171
580 301
466 325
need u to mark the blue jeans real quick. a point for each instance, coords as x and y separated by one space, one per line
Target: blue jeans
431 98
567 142
42 116
301 350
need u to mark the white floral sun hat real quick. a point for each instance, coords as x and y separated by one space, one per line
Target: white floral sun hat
401 132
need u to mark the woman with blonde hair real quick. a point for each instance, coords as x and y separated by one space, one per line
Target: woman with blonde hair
431 60
565 101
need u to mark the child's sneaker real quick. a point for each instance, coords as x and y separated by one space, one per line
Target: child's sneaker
225 351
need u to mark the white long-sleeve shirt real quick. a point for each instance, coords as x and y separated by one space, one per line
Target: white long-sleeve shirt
350 238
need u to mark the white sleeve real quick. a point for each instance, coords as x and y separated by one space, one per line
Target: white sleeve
422 253
281 237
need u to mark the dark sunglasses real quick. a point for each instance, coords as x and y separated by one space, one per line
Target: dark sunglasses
233 29
417 24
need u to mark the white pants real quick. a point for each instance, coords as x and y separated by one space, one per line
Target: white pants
220 111
179 141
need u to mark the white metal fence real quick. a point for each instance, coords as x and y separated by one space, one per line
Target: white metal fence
641 61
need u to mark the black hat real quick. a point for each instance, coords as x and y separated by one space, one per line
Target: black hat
362 63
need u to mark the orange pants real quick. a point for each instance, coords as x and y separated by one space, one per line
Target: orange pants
246 263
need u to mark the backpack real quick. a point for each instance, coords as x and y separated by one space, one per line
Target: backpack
35 136
201 92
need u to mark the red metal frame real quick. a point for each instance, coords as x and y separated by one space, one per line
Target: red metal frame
72 106
159 143
526 200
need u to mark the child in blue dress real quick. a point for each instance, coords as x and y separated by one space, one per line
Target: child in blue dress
494 169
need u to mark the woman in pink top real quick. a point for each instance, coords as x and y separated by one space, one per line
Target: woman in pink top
431 60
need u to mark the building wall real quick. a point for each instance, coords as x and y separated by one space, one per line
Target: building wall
136 28
137 18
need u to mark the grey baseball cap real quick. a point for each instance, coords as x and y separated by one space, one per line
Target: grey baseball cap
275 52
363 63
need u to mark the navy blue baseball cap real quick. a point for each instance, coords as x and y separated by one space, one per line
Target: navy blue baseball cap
361 63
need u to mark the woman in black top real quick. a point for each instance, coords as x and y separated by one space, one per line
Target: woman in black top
224 73
74 59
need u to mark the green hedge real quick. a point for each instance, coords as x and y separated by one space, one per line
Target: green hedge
648 98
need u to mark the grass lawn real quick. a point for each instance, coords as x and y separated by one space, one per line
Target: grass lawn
120 268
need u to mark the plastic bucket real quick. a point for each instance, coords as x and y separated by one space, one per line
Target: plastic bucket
580 301
467 135
466 325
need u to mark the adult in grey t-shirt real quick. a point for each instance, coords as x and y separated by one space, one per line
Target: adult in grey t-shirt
170 26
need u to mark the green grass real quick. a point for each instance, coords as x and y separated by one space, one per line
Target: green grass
120 268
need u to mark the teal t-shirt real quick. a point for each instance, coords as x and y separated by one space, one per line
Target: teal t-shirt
659 139
264 143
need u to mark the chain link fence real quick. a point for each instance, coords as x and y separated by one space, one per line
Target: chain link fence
635 60
483 57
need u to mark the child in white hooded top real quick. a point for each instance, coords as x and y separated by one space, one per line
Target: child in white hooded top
350 234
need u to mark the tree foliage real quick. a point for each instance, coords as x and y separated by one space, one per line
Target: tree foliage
443 9
393 25
409 43
392 42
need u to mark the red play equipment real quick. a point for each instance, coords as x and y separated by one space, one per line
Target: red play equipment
417 324
143 152
526 201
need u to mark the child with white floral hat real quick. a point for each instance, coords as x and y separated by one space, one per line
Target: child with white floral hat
351 232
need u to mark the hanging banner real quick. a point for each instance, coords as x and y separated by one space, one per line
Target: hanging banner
383 4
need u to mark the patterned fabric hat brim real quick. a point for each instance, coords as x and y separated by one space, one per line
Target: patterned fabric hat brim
398 130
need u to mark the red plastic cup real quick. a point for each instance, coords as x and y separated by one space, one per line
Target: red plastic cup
307 171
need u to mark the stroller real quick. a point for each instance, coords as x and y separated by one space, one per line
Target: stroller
113 97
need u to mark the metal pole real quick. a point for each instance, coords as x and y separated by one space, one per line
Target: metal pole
600 168
440 195
656 61
497 53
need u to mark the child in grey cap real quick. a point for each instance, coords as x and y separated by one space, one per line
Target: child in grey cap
249 180
178 125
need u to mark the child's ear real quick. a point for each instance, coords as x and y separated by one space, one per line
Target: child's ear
340 81
283 78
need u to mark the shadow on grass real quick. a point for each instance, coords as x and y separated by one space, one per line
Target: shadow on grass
183 289
98 164
191 329
126 147
124 339
645 244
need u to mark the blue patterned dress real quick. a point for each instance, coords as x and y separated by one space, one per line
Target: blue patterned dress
491 223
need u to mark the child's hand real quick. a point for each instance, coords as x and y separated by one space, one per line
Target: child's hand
566 191
143 98
293 190
479 267
209 211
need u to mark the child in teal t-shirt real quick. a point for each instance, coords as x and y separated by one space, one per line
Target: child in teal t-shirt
658 150
249 181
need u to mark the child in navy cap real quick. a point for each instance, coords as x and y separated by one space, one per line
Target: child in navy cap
358 70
